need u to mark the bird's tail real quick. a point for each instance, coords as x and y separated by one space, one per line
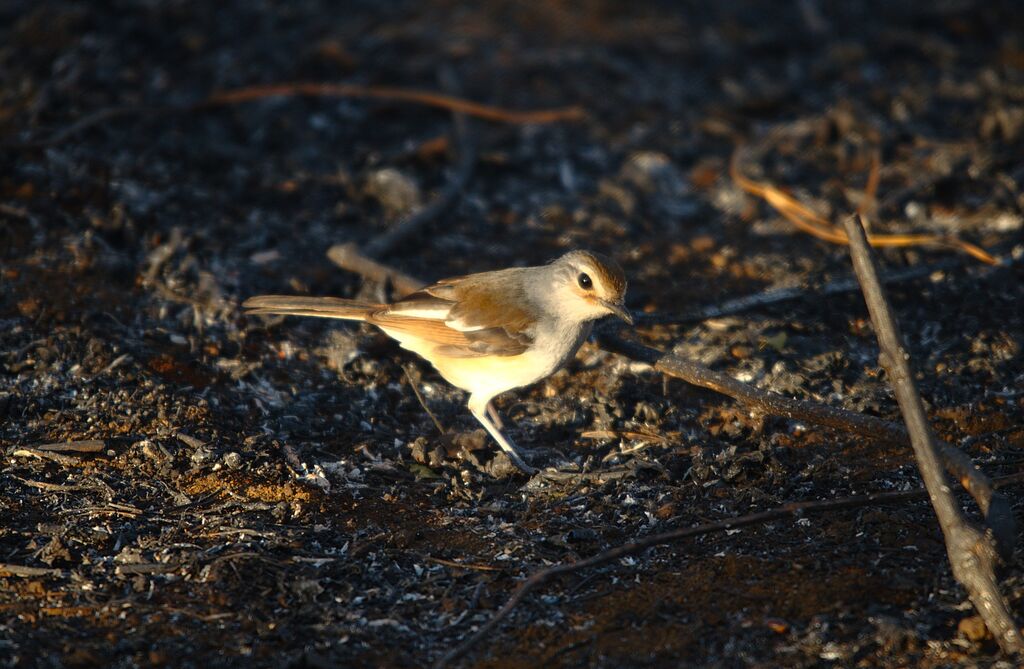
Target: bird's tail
321 307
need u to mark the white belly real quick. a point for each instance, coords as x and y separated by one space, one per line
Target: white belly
491 375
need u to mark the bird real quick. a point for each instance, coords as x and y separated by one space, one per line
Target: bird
489 332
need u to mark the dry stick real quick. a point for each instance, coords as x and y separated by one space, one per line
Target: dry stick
410 225
971 553
995 507
392 93
81 446
423 402
348 257
779 295
249 94
542 576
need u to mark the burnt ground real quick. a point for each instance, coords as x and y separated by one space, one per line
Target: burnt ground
272 493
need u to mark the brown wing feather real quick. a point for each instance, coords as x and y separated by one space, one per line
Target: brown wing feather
487 314
425 328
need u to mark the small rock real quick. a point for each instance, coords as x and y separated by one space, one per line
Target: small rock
151 450
418 450
201 456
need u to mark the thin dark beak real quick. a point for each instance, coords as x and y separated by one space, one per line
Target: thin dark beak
619 310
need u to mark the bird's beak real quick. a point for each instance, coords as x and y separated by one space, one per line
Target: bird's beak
618 309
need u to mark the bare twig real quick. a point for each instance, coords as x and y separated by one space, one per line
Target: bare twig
997 510
311 89
778 295
542 576
464 565
423 402
395 94
28 572
350 258
96 118
411 224
66 460
972 554
52 487
600 475
83 446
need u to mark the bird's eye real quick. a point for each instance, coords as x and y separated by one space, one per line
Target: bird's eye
585 282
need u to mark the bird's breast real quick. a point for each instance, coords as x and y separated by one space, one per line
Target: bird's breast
492 375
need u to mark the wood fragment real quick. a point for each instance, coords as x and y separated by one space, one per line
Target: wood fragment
189 440
145 568
83 446
27 572
60 459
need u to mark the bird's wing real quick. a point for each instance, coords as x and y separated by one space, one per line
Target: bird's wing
471 316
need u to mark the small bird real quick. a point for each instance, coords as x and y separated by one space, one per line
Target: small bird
490 332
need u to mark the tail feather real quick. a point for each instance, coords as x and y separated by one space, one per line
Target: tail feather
319 307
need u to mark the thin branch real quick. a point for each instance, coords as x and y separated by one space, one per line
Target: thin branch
423 403
996 508
396 94
464 565
411 224
542 576
348 257
27 572
80 446
779 295
972 554
309 89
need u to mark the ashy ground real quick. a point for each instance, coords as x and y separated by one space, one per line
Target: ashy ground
273 493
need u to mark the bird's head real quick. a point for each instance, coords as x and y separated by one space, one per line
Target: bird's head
588 286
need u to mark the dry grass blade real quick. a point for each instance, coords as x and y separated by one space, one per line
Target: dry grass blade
816 225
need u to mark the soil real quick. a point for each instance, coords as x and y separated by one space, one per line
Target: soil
273 493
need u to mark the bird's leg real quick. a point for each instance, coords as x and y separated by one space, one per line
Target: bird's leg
480 411
492 413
